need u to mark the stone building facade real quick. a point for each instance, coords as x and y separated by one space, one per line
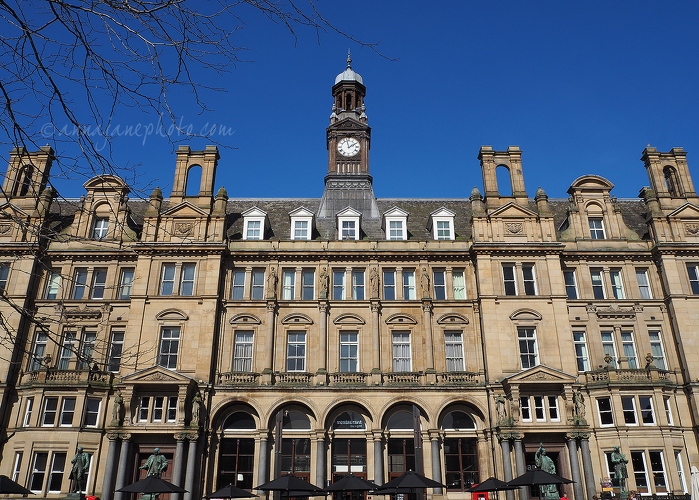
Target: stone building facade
349 333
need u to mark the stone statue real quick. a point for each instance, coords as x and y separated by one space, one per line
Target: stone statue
425 283
374 281
116 410
324 282
81 463
196 409
544 462
500 403
156 464
579 405
272 284
620 473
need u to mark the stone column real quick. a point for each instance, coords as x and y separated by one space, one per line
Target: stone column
320 460
575 467
521 466
178 465
506 464
122 471
262 461
323 332
269 352
192 467
108 485
590 485
427 319
436 462
378 458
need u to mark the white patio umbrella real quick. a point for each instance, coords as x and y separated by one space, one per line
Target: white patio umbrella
695 483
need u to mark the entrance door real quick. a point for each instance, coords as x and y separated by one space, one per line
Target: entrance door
142 456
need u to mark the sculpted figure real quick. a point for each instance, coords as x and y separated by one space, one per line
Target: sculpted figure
81 463
156 464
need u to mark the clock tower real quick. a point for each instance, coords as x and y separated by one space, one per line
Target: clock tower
348 139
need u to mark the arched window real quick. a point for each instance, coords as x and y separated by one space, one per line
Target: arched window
24 181
296 450
460 450
671 181
504 180
236 461
296 421
349 421
401 444
239 421
193 181
457 421
349 451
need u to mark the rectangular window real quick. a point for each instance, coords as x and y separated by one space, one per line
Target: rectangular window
571 284
629 348
158 405
454 349
288 284
529 279
171 415
459 285
242 351
125 284
647 415
597 284
402 360
581 356
656 350
39 351
257 289
92 411
4 274
596 228
79 284
254 230
409 285
680 470
440 285
668 411
238 289
443 230
643 283
169 345
628 405
143 409
358 285
67 412
349 230
87 349
17 467
609 348
116 349
53 284
100 227
308 279
553 409
693 271
188 273
99 283
604 410
617 285
48 418
338 285
58 465
36 479
167 280
301 230
657 470
296 352
638 464
389 285
349 352
67 350
525 409
528 352
28 407
539 410
509 280
395 230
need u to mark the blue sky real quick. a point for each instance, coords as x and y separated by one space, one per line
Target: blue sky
581 87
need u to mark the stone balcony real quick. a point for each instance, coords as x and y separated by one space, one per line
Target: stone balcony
630 376
67 378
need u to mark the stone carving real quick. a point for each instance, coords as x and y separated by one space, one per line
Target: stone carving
81 464
514 227
620 473
183 229
374 282
324 283
425 283
544 462
272 281
579 407
692 228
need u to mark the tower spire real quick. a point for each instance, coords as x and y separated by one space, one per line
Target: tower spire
349 60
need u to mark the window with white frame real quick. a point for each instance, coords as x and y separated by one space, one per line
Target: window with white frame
296 352
126 283
628 406
348 222
187 279
187 272
238 286
389 285
349 351
656 349
99 283
525 409
528 351
581 356
617 284
301 224
38 472
349 230
395 224
53 284
645 403
242 351
554 414
28 408
301 230
609 347
4 275
39 351
680 470
358 285
571 283
604 412
668 410
169 347
116 350
596 228
458 284
79 283
402 359
339 284
509 279
288 284
257 286
396 230
629 348
58 466
157 409
597 284
87 349
529 279
409 285
442 224
17 466
48 417
308 279
92 412
454 350
167 279
643 283
539 410
100 227
440 285
67 350
645 462
253 230
693 271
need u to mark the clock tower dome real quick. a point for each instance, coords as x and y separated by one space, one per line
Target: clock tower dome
348 139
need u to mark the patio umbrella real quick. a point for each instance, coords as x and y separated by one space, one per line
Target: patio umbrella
152 485
695 483
352 483
8 486
230 491
491 484
291 485
412 480
535 477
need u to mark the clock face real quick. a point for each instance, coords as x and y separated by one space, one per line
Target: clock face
348 146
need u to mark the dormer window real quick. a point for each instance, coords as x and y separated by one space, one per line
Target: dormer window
442 224
100 226
301 224
395 224
254 225
348 226
596 228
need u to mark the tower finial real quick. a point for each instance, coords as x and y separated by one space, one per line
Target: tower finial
349 59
